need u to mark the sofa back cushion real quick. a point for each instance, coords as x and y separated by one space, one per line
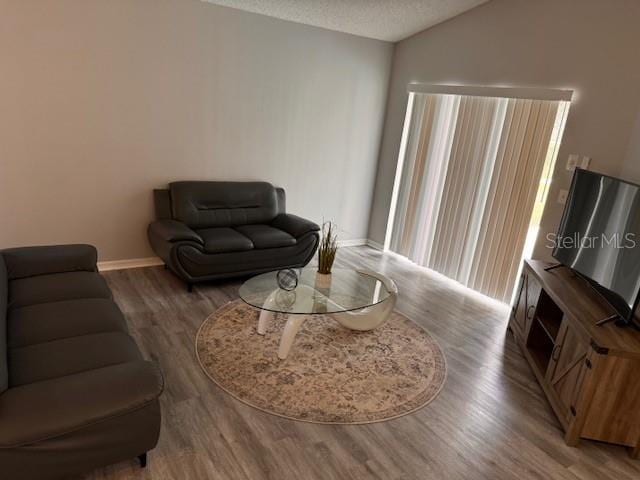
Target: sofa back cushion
4 371
223 204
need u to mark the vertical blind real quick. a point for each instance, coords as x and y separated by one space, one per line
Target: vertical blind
470 168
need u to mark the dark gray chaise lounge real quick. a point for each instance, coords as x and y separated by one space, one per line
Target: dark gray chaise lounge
213 230
75 393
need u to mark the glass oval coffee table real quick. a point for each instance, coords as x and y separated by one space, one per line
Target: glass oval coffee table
357 299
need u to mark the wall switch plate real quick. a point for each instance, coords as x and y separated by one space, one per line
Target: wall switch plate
572 162
584 163
562 196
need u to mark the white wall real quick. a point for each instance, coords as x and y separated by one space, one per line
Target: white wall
590 46
103 100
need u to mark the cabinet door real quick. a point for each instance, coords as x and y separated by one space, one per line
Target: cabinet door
568 367
533 294
518 314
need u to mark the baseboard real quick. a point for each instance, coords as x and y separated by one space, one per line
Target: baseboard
358 242
129 263
376 245
352 243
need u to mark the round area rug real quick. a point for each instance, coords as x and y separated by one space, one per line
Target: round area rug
332 375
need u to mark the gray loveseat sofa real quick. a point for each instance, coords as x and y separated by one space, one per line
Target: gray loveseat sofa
213 230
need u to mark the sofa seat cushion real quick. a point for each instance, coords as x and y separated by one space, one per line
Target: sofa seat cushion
202 265
45 322
59 358
45 410
223 239
55 287
110 440
265 236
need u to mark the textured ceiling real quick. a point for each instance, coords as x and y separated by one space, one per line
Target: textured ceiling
390 20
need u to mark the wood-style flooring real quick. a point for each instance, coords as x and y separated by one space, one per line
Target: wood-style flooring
491 420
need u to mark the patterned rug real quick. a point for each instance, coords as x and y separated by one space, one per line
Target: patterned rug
332 375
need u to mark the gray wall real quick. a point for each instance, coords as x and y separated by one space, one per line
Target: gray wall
590 46
103 100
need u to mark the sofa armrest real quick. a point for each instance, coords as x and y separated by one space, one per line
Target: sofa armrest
174 231
32 261
294 225
43 410
282 200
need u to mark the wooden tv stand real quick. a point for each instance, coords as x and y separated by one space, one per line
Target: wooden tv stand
590 374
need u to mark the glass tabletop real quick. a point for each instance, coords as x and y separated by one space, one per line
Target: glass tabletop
341 291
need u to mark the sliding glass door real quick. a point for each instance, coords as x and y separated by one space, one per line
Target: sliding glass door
468 174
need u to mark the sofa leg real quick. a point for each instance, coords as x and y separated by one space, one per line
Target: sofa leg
166 267
143 460
190 287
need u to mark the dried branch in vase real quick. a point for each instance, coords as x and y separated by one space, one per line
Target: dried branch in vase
328 248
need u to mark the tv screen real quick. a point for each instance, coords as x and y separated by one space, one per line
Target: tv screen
599 237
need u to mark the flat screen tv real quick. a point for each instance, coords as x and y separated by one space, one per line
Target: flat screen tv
599 238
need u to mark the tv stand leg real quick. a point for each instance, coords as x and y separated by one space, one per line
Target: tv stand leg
571 438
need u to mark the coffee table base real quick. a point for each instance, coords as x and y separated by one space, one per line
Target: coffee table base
361 320
291 328
294 322
352 321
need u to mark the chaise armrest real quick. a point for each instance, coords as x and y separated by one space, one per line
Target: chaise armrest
44 410
174 231
32 261
294 225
